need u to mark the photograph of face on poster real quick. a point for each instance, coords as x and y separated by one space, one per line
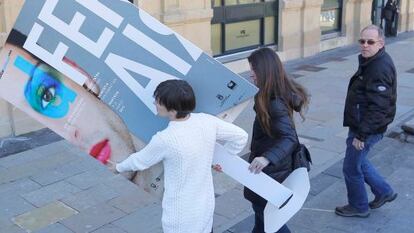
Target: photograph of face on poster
74 112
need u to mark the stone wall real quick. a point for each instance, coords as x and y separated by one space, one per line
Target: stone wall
406 19
300 30
188 18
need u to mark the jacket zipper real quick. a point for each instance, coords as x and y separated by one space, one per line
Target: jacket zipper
358 114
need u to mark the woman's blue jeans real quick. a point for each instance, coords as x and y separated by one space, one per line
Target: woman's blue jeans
358 170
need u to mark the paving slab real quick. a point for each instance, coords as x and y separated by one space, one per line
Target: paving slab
54 228
109 228
130 202
12 204
408 127
33 167
89 178
41 217
60 173
13 145
50 193
19 187
146 219
333 143
92 218
53 148
321 182
231 204
244 226
96 195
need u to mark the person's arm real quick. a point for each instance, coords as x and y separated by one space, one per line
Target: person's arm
379 91
151 154
234 137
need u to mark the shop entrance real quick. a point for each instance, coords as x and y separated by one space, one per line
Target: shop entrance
239 25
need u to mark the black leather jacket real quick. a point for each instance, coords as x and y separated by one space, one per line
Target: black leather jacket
370 103
277 149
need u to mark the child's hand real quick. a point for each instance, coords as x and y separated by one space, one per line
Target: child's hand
217 168
112 166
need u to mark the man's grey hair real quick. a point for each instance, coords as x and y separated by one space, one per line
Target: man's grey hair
378 29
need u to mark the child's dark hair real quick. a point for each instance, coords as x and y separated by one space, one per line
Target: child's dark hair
16 38
176 95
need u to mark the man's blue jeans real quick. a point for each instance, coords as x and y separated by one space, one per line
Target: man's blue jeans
357 169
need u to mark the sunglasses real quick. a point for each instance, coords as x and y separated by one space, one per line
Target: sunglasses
369 42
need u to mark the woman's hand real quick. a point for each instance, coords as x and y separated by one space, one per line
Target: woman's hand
257 165
217 168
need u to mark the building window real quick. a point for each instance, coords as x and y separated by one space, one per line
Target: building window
331 14
239 25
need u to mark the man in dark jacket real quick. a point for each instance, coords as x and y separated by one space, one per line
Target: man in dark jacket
369 107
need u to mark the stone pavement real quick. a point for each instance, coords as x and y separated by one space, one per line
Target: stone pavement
51 186
394 160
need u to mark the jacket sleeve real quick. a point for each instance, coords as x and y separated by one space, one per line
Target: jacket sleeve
284 141
379 91
234 137
151 154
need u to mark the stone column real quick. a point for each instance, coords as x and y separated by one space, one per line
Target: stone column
189 18
152 7
311 27
356 16
410 15
290 44
406 17
349 17
2 24
9 9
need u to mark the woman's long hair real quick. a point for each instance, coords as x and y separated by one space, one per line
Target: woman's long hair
273 82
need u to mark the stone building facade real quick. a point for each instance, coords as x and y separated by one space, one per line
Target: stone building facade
230 29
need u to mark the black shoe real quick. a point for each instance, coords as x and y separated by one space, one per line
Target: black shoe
349 211
380 201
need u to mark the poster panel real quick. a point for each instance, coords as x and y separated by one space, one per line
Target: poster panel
275 216
88 69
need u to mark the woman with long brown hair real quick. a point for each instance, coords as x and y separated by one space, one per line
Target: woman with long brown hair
274 136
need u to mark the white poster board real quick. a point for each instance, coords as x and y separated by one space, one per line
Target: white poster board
298 182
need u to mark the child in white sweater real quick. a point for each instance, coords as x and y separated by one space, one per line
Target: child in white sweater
186 149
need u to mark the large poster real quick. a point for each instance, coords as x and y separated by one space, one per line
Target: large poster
87 69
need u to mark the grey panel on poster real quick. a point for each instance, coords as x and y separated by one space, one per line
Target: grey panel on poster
138 42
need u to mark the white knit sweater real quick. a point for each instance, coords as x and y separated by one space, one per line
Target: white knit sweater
186 149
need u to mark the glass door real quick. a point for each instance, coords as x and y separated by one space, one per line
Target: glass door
377 6
239 25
